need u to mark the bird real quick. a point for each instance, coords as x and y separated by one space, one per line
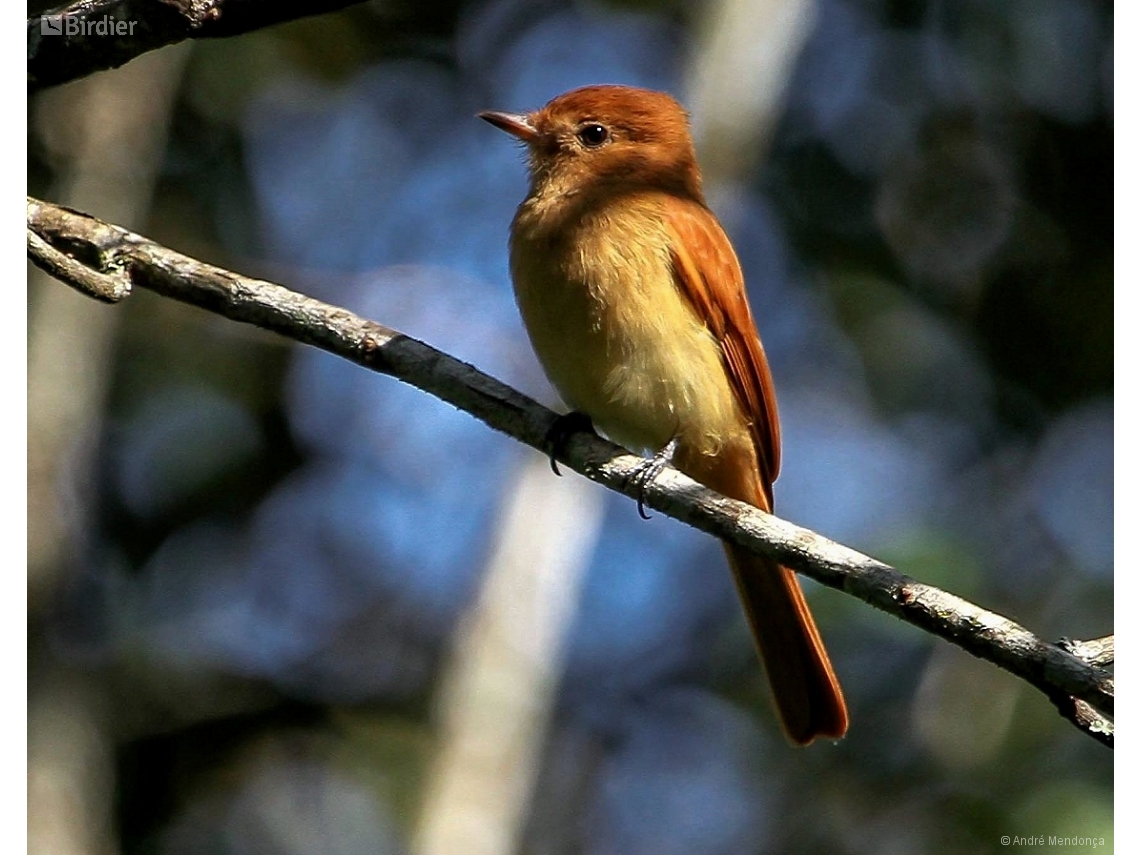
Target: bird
634 302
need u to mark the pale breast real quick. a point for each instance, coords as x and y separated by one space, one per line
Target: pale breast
616 337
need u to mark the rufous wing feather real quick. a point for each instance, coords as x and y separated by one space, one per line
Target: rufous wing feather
708 274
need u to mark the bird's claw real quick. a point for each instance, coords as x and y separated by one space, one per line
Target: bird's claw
648 470
560 432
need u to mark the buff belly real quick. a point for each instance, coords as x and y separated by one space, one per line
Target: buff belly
620 343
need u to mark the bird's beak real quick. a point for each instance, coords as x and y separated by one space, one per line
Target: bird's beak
514 124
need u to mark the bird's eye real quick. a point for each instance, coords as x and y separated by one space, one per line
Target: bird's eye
593 136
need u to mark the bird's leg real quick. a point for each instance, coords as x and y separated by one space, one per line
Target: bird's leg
560 432
649 469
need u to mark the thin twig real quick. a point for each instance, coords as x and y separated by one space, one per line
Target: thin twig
71 45
987 635
1098 652
109 287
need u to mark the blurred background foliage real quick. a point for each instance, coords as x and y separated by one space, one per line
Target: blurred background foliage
260 580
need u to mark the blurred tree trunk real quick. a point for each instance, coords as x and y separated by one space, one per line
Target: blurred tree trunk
108 134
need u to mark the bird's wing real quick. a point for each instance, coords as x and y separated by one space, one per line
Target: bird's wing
708 274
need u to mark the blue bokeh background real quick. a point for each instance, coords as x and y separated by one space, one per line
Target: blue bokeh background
927 245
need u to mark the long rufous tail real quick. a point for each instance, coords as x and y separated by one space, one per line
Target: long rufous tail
803 682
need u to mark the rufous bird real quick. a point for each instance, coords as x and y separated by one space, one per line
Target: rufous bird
634 302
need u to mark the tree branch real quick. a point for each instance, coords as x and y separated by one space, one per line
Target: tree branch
59 58
105 248
1099 652
109 287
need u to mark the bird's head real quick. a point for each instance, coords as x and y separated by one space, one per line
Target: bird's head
607 137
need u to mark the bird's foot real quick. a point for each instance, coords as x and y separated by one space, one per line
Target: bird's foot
648 470
564 427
